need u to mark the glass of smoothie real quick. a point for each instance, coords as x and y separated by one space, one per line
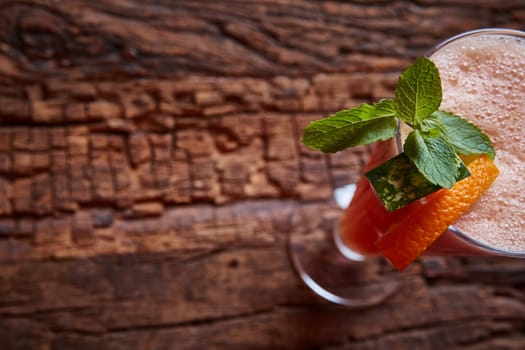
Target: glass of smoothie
483 79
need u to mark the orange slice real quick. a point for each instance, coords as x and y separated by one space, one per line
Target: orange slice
415 227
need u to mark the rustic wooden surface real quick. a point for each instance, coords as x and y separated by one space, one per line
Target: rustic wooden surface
150 171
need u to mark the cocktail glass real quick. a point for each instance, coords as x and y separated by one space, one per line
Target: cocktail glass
337 261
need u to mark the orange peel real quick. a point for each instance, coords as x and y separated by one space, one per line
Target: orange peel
413 228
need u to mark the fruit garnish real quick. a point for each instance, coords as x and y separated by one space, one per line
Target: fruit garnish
398 182
431 151
419 192
413 228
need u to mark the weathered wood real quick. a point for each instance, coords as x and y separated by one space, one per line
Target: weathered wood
150 170
244 298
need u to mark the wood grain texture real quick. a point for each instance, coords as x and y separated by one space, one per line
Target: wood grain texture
151 169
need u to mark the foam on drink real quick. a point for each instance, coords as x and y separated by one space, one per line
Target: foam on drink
483 80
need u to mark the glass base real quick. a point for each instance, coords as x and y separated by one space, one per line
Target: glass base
336 273
333 276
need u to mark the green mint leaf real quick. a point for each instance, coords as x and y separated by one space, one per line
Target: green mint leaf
462 170
465 137
398 182
384 108
418 91
434 157
351 127
431 151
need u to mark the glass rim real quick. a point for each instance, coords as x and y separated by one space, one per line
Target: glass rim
475 32
454 230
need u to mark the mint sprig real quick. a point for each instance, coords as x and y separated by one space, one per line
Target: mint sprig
418 91
432 149
352 127
465 137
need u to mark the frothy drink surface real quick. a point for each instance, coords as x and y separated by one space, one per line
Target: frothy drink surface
483 79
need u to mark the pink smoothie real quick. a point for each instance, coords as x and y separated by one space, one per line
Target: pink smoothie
483 79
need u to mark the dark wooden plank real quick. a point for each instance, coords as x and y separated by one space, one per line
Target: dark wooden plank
248 298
